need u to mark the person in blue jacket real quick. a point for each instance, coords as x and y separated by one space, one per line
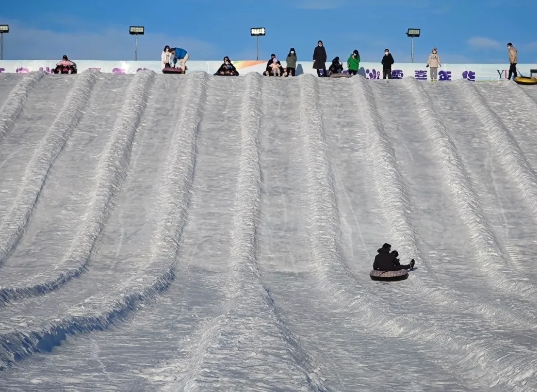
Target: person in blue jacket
181 55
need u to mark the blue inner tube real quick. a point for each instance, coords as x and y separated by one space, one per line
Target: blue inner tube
389 276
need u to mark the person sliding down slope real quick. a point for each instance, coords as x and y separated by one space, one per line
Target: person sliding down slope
386 261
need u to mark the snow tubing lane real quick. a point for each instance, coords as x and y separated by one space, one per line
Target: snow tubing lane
525 80
388 276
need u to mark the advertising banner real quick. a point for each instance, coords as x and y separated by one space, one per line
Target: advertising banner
472 72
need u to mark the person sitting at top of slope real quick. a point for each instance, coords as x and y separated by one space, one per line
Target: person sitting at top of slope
386 261
65 66
181 55
335 67
227 68
273 66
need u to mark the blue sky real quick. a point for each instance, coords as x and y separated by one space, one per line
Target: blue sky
464 31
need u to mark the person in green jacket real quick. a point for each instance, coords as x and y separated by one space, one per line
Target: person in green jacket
353 63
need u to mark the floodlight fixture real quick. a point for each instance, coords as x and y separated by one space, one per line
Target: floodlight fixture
412 33
136 31
258 32
4 29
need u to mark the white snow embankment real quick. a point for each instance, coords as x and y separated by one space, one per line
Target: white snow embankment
14 103
110 175
35 175
101 310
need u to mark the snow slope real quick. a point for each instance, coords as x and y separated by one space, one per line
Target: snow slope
194 232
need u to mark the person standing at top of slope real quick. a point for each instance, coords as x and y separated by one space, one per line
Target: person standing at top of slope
434 63
513 59
165 57
319 59
291 63
181 55
353 62
387 62
386 261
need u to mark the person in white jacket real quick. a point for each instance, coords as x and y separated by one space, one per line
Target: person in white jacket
434 63
166 57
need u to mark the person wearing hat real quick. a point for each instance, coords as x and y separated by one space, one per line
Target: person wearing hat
319 59
335 67
353 62
434 63
513 59
388 261
291 63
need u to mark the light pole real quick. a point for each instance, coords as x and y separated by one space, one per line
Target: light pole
412 33
136 31
257 32
4 29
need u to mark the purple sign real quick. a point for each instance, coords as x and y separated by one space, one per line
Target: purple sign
140 69
22 70
373 74
2 70
397 74
118 71
444 75
420 74
469 75
47 70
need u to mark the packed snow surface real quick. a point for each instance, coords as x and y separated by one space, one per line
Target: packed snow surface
193 232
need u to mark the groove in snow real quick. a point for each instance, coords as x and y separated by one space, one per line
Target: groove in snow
111 171
35 175
14 103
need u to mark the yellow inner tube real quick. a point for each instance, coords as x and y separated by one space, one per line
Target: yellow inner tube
526 80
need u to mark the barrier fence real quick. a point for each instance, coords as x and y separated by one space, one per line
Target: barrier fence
472 72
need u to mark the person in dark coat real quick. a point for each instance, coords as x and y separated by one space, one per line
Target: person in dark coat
387 62
336 66
319 59
271 65
388 261
227 68
291 63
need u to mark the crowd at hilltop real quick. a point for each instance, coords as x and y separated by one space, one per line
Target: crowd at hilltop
178 57
174 61
275 68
